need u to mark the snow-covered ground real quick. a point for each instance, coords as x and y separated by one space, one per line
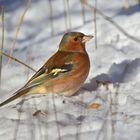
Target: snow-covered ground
117 60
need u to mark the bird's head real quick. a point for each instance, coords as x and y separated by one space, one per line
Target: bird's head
74 42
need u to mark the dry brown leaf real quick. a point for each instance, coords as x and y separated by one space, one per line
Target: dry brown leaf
94 106
39 112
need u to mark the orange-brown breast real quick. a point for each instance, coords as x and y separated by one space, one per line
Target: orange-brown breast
68 83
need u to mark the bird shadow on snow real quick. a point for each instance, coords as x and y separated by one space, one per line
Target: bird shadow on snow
123 72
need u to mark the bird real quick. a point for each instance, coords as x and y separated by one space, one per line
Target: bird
64 73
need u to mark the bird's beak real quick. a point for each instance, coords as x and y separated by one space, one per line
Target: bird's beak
87 38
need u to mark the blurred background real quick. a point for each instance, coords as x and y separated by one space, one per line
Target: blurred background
30 32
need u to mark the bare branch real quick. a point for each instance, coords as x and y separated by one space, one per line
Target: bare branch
51 17
15 59
2 42
114 23
95 23
67 15
19 26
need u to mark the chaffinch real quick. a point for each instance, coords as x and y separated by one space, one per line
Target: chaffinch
64 73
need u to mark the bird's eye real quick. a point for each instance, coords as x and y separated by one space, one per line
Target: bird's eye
75 39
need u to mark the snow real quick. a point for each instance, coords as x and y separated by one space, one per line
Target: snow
117 60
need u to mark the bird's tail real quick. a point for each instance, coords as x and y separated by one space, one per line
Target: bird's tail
17 94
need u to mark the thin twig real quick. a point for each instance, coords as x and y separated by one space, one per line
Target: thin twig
83 12
2 42
95 23
15 59
114 23
67 15
56 118
51 17
18 27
